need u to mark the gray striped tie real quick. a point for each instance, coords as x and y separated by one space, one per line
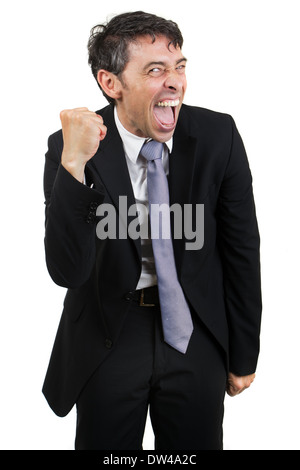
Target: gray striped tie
175 312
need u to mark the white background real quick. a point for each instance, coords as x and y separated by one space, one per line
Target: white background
243 59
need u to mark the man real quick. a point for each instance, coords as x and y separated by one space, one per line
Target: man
115 352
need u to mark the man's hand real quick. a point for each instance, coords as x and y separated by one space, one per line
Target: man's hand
236 384
82 132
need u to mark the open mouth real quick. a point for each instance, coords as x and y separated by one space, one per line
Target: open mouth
164 112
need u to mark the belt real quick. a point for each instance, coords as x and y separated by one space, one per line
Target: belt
147 297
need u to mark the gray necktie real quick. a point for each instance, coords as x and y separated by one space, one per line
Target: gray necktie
176 316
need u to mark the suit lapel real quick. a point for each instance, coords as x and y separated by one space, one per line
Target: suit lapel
181 172
181 164
110 164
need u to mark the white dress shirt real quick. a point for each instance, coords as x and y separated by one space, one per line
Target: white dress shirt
137 167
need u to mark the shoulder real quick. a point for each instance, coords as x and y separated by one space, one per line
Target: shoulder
195 118
212 131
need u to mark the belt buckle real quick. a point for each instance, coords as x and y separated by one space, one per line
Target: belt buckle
142 304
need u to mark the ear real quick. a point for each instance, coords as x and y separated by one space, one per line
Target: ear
110 84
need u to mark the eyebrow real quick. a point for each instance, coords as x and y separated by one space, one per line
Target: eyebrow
150 64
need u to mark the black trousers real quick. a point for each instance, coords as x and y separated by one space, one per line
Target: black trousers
185 393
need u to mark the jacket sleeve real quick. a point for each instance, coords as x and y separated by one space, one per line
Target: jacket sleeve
239 243
70 219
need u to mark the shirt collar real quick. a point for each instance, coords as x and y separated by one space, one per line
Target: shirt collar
133 143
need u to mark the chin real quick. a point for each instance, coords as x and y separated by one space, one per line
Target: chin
166 134
162 133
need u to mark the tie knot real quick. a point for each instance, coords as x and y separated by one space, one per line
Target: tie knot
152 150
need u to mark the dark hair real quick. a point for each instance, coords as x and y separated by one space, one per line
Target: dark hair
108 43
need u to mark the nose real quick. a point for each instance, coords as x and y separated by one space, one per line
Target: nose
174 81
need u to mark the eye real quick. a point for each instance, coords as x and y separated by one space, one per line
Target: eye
155 71
181 68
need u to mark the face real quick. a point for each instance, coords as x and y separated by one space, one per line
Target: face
152 88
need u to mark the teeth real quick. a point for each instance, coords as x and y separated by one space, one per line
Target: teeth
168 103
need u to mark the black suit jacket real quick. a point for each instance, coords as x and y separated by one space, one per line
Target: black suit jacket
208 165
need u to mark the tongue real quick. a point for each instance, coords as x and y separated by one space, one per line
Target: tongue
164 114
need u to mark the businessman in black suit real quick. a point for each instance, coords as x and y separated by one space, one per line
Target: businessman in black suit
110 356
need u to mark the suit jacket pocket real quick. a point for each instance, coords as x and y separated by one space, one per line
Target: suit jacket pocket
75 301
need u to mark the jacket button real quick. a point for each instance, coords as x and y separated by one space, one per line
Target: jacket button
91 217
128 296
93 206
108 343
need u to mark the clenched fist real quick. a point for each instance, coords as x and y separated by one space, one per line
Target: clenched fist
82 132
236 384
